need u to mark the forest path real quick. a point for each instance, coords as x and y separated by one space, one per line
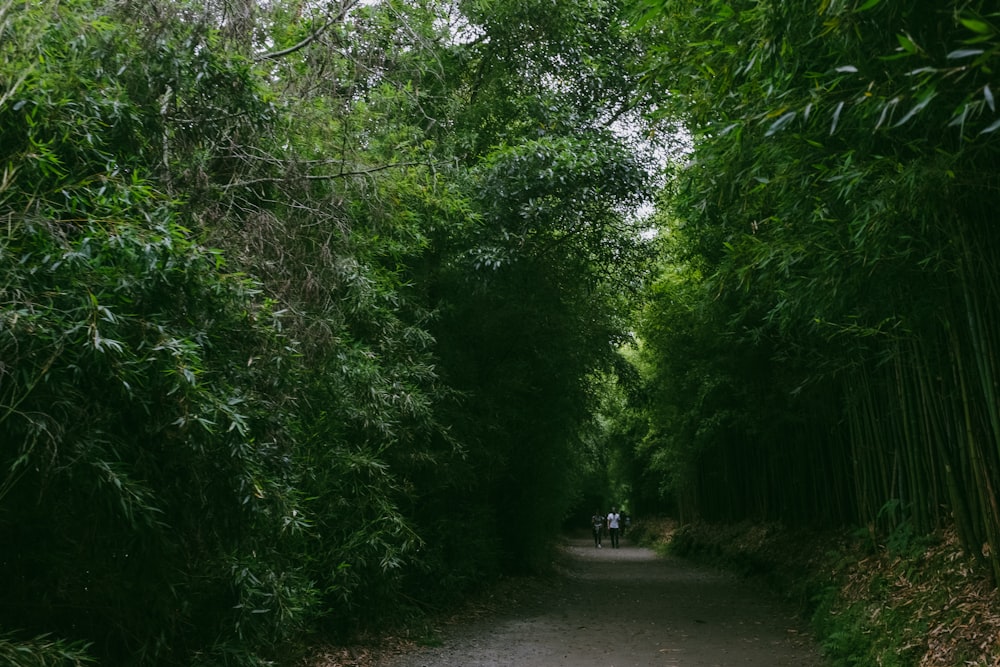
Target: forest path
628 607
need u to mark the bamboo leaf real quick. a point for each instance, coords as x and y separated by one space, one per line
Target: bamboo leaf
959 118
725 12
868 5
836 117
988 94
992 127
780 123
975 25
963 53
889 106
908 45
917 108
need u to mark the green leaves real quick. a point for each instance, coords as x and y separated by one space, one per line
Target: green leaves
869 4
43 651
977 26
243 327
130 417
907 44
835 231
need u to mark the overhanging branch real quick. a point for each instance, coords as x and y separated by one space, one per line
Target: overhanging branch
313 36
326 177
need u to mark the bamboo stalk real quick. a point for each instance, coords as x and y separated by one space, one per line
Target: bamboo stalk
933 409
968 437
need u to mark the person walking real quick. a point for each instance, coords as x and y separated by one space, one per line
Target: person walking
597 523
613 519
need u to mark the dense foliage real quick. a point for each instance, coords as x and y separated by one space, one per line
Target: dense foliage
302 307
312 313
823 345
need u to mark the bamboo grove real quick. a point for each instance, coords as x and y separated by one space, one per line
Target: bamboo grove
317 316
823 344
300 309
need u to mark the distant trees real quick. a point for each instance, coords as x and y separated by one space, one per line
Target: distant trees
300 310
826 348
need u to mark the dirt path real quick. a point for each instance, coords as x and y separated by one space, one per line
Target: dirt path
627 607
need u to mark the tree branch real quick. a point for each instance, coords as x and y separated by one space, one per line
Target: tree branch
275 55
326 177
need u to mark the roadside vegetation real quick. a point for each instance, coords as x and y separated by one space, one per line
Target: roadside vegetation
905 601
819 350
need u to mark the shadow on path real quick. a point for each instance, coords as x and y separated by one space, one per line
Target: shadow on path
627 607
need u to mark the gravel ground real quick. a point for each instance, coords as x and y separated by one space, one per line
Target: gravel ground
627 607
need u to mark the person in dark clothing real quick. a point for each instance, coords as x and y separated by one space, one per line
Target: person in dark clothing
597 524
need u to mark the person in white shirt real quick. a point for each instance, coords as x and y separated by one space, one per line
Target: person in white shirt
613 518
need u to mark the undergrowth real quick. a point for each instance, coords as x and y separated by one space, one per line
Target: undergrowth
905 601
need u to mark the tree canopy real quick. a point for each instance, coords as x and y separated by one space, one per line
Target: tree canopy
836 284
301 304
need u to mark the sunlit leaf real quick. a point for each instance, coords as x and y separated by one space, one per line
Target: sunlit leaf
908 45
976 25
725 12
